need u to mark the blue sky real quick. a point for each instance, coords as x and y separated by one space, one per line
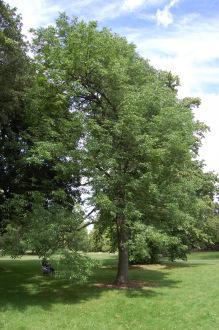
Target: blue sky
177 35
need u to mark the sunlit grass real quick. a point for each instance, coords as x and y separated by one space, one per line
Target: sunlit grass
214 255
177 296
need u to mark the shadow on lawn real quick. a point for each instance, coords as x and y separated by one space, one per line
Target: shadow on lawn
22 285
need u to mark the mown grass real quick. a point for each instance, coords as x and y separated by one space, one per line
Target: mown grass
177 296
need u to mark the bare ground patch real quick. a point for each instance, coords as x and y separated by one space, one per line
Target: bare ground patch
128 285
149 266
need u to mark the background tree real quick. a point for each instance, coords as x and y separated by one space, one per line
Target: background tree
14 82
39 138
101 242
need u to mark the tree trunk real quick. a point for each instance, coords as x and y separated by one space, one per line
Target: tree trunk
122 273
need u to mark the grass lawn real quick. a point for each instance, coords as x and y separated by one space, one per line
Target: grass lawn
177 296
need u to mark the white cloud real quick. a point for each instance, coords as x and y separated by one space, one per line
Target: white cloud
34 13
172 3
132 4
164 17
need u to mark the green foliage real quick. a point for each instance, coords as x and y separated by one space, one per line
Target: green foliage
212 227
82 242
148 244
42 229
74 266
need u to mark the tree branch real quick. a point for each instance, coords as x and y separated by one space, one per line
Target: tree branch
101 169
89 213
92 222
86 183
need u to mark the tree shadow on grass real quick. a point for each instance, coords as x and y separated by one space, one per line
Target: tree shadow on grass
22 285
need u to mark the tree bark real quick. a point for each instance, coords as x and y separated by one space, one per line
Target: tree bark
122 273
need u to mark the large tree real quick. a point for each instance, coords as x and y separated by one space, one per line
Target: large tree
96 123
139 147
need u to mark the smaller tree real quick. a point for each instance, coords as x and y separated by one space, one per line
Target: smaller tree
100 242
